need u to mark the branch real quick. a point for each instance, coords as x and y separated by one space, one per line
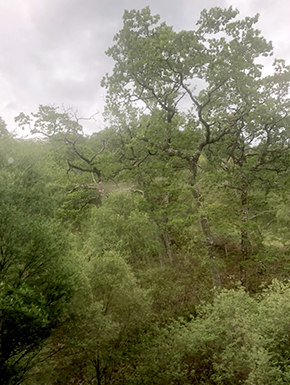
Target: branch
91 170
83 187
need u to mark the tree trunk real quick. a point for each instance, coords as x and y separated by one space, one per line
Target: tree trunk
204 222
166 235
205 227
167 243
98 372
245 240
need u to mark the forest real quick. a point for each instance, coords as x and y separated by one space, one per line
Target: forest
154 251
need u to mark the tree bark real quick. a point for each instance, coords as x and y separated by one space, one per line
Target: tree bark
245 240
166 235
205 228
98 372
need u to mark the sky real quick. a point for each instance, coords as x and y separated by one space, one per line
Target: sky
53 51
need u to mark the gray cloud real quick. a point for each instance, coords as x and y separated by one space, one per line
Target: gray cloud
53 51
273 22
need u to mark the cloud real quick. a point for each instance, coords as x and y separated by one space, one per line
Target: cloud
273 22
53 51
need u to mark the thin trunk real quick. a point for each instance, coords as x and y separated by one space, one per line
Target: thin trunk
245 240
204 224
166 235
98 372
167 243
203 219
205 227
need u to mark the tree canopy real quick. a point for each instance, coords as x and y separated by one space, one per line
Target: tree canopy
155 251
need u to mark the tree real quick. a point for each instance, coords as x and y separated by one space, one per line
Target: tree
122 224
246 160
3 128
103 338
233 339
36 268
84 158
214 74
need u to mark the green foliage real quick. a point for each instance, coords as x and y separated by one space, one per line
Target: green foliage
160 207
231 341
231 118
49 123
101 340
123 224
236 340
36 274
3 128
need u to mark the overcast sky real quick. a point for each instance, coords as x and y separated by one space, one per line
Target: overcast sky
53 51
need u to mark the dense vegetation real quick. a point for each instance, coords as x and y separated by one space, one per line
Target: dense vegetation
155 251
